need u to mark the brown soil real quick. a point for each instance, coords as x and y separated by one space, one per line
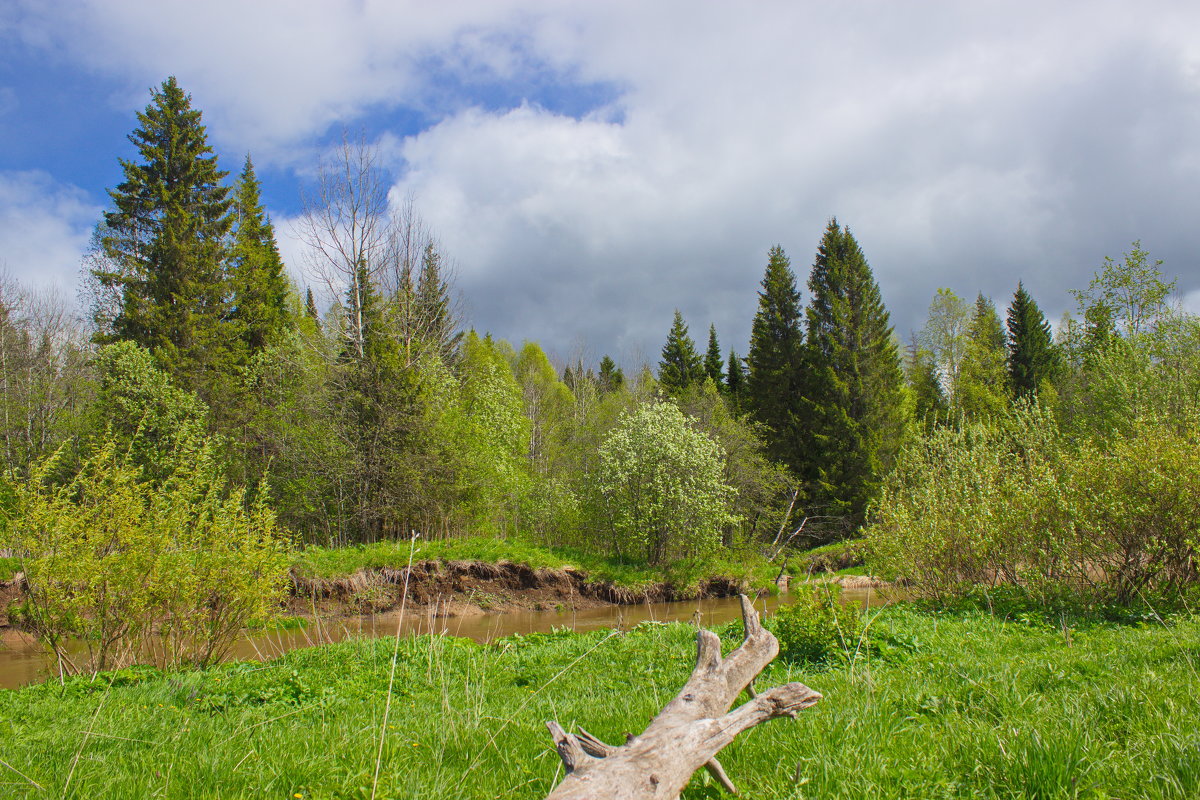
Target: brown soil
462 588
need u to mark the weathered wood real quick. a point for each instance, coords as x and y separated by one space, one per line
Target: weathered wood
690 730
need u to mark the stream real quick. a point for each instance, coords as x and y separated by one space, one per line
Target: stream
24 661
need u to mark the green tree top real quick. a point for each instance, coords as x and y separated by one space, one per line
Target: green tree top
1032 358
713 362
680 366
260 285
775 363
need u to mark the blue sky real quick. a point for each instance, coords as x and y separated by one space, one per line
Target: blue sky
590 167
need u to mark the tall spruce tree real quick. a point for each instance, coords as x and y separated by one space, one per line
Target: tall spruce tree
611 376
1032 358
713 362
433 312
680 366
854 395
260 285
165 245
776 363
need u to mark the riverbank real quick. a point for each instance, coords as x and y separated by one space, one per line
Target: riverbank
963 705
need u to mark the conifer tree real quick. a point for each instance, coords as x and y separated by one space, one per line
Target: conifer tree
735 380
260 285
1032 358
611 376
929 399
680 366
983 379
854 396
776 362
164 242
310 306
437 323
712 359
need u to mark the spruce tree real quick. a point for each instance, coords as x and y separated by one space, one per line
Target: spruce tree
165 244
310 307
776 362
854 396
611 376
260 285
735 380
433 310
712 359
1032 358
983 379
680 366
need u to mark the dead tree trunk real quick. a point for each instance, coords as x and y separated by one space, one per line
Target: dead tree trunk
690 730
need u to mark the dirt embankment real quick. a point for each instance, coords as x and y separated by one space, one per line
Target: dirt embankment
466 587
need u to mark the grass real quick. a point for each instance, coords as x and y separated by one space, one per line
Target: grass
938 706
9 567
323 562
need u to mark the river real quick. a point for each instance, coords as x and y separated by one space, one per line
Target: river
24 661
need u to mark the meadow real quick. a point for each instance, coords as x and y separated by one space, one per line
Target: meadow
923 704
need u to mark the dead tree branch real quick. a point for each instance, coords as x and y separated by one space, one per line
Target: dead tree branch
690 730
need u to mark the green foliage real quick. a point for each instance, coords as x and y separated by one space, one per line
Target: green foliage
930 405
713 364
815 627
1127 297
854 398
1033 360
1017 502
984 373
680 366
611 376
257 277
775 364
944 338
165 243
662 485
111 560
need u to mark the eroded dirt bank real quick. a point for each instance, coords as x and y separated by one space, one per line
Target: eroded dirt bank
474 587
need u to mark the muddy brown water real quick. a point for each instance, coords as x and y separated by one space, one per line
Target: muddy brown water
24 661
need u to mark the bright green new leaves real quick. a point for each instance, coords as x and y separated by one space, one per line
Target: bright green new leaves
113 560
662 486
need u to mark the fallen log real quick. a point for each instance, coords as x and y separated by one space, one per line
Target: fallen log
690 730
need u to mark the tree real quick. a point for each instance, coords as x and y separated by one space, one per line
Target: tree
260 285
735 380
854 400
1128 297
662 486
983 377
1032 358
944 338
611 376
712 359
680 366
775 362
165 242
929 400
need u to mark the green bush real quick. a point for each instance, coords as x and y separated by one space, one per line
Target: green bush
122 570
816 629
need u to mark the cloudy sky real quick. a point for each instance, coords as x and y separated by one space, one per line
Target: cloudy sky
591 166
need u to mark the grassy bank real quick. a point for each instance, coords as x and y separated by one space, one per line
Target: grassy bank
320 562
942 706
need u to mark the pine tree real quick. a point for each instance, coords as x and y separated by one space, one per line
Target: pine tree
1032 358
437 324
855 392
735 379
165 244
776 362
680 366
712 359
611 376
983 379
260 285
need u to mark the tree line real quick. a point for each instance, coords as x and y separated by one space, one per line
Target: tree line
385 414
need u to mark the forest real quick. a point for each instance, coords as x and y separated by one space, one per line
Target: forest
168 452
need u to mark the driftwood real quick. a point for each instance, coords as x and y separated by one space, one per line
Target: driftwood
690 730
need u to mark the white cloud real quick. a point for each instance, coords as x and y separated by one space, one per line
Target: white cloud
964 144
45 227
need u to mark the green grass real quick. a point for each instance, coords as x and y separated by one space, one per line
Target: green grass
939 706
9 567
334 562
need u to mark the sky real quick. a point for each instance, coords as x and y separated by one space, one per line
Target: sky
589 167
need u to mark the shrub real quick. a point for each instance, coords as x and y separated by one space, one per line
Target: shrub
816 628
137 571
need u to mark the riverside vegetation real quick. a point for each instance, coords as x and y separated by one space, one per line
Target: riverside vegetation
209 427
